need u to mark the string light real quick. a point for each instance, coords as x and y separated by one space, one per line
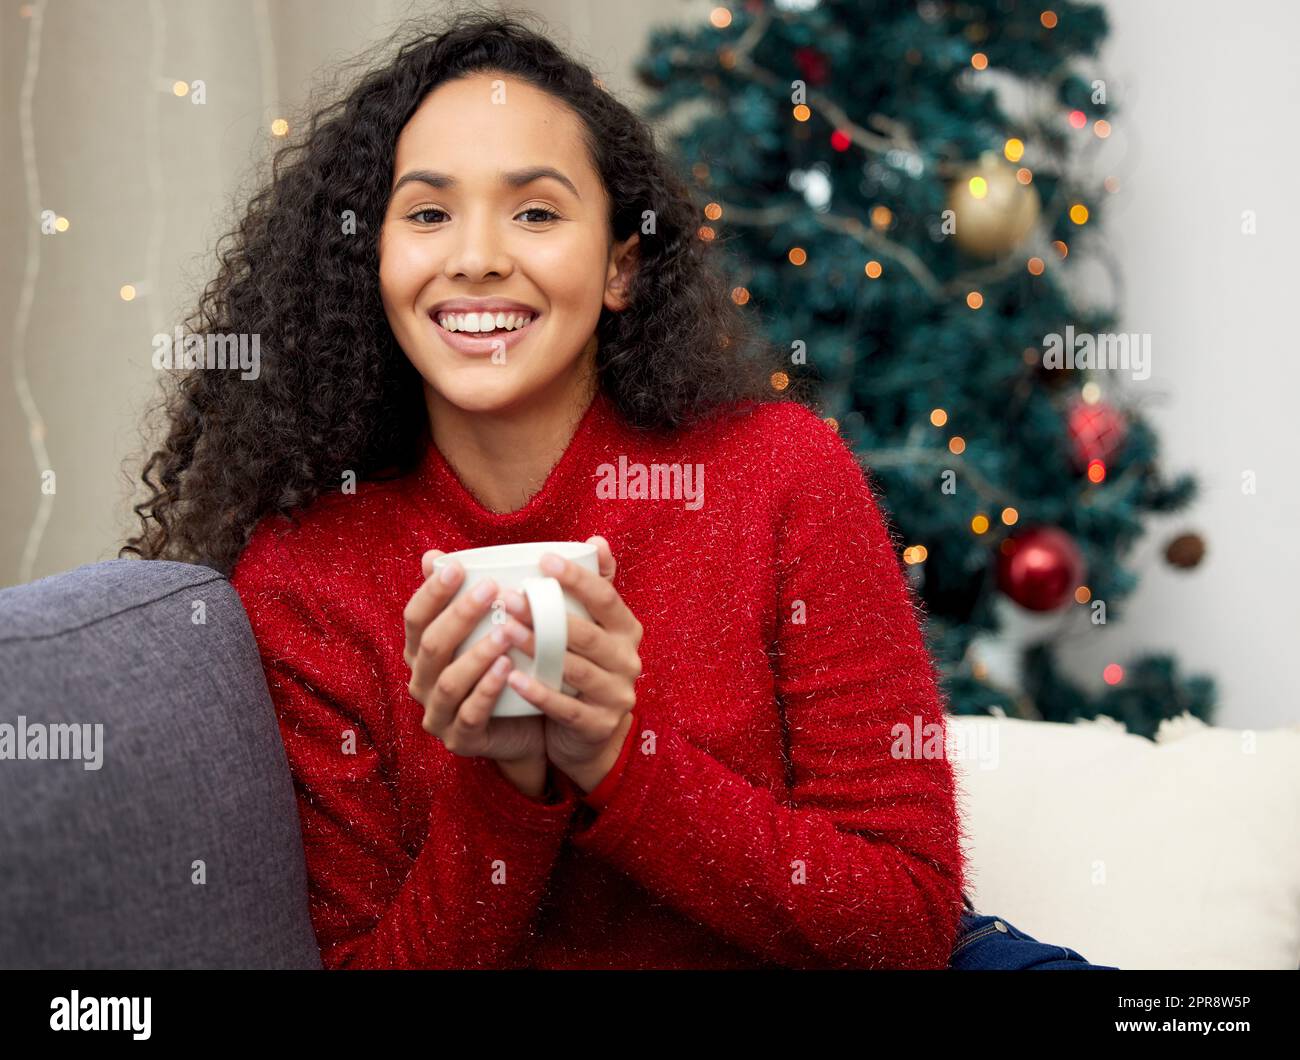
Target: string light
1078 119
797 255
1102 128
938 417
739 295
1096 471
27 292
840 140
779 380
873 269
126 292
1079 214
974 299
1035 266
979 187
1048 19
1010 517
801 112
705 233
914 554
720 18
1025 176
1113 674
279 127
980 524
1013 149
980 61
1082 594
956 445
881 217
1090 392
180 88
1061 248
713 211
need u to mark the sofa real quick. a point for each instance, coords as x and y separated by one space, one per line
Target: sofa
1179 853
155 824
167 838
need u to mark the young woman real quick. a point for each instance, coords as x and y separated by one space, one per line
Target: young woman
483 311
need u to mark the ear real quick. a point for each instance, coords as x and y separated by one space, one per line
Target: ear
624 259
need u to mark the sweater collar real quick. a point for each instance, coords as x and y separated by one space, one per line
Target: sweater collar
443 492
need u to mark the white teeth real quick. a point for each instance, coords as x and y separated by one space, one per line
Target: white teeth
483 321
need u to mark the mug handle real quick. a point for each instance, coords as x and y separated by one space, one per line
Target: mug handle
550 630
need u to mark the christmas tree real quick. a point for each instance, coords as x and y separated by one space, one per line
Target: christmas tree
903 193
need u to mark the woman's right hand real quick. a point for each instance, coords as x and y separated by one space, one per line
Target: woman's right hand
459 695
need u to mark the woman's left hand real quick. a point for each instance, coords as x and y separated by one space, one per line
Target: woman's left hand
585 734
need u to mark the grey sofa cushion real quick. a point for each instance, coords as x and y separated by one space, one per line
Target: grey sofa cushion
182 849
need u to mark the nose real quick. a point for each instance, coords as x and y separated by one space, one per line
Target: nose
477 249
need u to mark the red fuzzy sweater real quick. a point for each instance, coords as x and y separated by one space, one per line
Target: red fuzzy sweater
762 816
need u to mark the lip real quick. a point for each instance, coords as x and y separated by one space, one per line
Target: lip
472 345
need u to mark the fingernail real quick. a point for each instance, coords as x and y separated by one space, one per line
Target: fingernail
499 638
483 591
448 574
514 599
551 563
501 665
515 632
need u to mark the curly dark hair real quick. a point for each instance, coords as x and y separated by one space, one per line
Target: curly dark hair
335 390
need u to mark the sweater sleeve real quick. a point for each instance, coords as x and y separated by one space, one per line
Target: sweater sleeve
861 866
467 897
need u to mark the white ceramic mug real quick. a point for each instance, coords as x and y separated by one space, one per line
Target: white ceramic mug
516 567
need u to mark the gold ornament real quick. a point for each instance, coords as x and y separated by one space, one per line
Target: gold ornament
994 211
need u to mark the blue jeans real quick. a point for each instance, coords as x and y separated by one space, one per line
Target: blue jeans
991 943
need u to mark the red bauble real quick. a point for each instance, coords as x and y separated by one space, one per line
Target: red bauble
812 64
1097 431
1040 567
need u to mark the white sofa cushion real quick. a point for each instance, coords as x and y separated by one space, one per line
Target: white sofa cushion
1184 853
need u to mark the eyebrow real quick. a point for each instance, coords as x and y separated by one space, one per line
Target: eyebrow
515 178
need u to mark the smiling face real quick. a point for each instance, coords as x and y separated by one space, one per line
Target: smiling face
474 216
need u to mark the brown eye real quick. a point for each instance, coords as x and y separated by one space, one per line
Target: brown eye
421 213
547 214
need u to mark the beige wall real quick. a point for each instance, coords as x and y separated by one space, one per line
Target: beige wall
1208 133
147 182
